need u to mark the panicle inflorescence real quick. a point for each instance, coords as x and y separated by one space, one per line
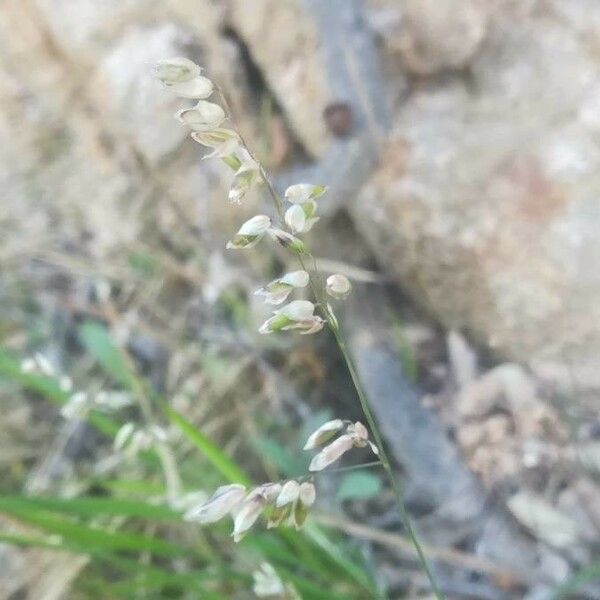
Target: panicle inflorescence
355 435
284 503
287 502
206 121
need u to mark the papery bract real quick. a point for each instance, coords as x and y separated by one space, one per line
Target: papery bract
279 289
306 498
247 516
224 142
198 88
359 431
176 70
304 192
245 177
289 493
296 315
300 217
308 493
287 240
338 286
250 233
284 504
225 499
182 77
331 453
323 434
204 116
297 310
267 491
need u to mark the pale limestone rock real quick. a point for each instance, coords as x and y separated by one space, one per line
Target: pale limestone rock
489 218
547 522
284 41
431 35
85 27
463 359
131 97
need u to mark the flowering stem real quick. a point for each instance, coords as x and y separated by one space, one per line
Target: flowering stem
318 292
394 481
366 408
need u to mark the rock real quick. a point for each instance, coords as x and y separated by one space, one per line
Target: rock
433 35
570 503
83 28
126 91
91 132
490 218
589 496
506 430
588 454
462 359
552 567
284 42
480 397
546 522
506 386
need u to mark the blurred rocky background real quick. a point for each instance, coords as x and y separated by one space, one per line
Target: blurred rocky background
461 143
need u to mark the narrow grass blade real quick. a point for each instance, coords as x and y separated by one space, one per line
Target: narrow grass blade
90 507
220 461
146 575
94 537
111 358
42 384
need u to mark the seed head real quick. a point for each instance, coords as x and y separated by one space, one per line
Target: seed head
331 452
304 192
300 218
278 290
297 315
223 141
289 493
250 233
338 286
247 175
182 77
225 500
323 434
287 240
176 70
247 516
355 436
204 117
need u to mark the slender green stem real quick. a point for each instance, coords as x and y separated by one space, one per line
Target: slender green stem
394 481
319 294
366 408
